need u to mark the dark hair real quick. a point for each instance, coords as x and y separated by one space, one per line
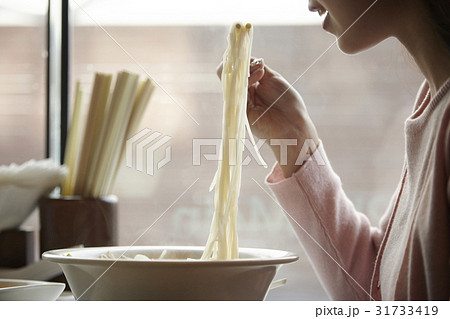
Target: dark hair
440 14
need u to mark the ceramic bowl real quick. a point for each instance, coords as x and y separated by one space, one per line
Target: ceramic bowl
173 277
29 290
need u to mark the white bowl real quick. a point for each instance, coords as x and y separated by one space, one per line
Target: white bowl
171 278
29 290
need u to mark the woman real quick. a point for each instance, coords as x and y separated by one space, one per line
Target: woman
407 256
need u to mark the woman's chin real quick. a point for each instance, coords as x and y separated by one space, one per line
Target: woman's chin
351 47
348 50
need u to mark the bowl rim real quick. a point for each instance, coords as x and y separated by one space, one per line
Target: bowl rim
25 284
60 256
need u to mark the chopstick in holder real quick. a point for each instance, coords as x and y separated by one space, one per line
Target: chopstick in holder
116 125
73 139
98 138
143 95
97 110
140 104
112 118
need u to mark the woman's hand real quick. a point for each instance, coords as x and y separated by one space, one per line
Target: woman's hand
275 110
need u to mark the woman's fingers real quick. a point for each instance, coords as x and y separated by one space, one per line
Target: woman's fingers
270 73
256 63
256 71
256 76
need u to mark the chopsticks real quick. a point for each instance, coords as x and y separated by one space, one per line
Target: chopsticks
73 139
112 118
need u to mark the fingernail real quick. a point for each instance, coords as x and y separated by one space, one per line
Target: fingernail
256 62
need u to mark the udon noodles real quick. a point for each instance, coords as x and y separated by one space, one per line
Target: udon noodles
223 240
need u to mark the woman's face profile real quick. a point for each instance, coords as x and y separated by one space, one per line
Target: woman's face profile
357 24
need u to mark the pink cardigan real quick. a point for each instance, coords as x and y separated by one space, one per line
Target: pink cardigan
407 256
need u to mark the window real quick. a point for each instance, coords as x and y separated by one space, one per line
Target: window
22 80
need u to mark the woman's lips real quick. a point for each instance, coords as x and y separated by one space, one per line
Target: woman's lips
316 7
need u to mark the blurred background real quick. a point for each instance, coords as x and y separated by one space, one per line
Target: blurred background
359 104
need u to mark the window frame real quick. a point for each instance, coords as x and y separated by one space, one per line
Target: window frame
57 80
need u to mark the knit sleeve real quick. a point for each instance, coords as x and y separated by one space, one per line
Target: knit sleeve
339 241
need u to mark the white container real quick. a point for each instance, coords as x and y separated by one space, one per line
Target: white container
29 290
171 278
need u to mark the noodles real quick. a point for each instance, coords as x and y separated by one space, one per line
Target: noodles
141 257
223 240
